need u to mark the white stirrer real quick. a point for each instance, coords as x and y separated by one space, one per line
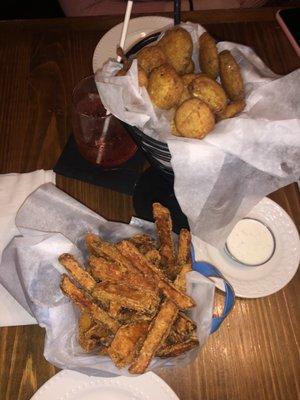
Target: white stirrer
122 42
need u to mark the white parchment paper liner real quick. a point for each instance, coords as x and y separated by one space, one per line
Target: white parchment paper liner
219 179
51 222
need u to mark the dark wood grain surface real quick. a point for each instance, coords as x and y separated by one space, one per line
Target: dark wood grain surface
255 355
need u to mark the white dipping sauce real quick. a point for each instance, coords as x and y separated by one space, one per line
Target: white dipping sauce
250 242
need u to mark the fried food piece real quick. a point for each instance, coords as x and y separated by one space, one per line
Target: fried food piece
180 281
143 243
151 57
142 77
110 271
188 78
184 247
84 302
194 119
127 296
153 257
126 342
177 45
190 68
85 321
78 273
210 92
163 224
208 55
87 344
100 333
231 77
114 309
165 86
176 349
158 332
232 109
185 95
184 326
154 274
173 126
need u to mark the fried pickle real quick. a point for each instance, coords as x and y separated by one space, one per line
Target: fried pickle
165 87
231 77
194 119
184 247
208 55
78 273
176 349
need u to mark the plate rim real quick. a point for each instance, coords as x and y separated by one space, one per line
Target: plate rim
118 27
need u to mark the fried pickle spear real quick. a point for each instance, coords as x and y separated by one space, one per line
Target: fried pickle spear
143 243
126 343
184 247
78 273
176 349
155 275
127 296
158 331
84 302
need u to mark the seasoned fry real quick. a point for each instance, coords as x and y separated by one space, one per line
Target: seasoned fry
151 272
125 344
78 273
184 247
127 296
84 302
158 331
176 349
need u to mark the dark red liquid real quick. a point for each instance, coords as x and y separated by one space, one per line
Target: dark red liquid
88 123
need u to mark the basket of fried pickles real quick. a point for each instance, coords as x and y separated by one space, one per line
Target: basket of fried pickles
132 296
189 81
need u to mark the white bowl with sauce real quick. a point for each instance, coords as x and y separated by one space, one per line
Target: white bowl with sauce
250 243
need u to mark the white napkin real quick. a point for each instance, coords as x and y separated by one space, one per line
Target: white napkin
219 179
14 188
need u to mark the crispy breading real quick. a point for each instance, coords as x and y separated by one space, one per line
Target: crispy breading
176 349
127 296
180 281
78 273
125 344
154 274
111 271
143 243
163 224
158 331
153 257
184 247
84 302
114 309
182 329
87 344
85 321
100 333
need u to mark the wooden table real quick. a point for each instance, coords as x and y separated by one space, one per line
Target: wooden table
255 355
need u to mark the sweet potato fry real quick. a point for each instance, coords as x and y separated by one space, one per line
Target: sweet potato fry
155 275
125 344
84 302
176 349
78 273
127 296
158 331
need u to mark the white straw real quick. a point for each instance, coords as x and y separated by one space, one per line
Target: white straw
121 44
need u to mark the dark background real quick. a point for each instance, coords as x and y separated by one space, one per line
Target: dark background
19 9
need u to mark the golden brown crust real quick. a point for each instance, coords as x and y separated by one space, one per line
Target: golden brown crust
78 273
184 247
150 57
208 55
232 109
190 68
210 92
231 77
176 349
158 331
124 346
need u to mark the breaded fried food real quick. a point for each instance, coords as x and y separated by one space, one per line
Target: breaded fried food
84 302
231 77
151 57
127 296
180 281
143 242
154 257
176 349
208 55
78 273
210 92
184 247
232 109
142 76
125 344
177 45
158 332
154 274
164 87
190 68
163 222
188 78
85 321
194 119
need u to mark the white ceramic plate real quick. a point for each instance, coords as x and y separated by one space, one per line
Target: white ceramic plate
253 282
138 28
71 385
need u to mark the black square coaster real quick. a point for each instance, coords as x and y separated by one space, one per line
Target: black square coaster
121 179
